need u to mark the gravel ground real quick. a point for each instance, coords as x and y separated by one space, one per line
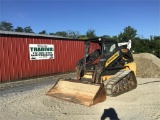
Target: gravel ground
148 65
29 102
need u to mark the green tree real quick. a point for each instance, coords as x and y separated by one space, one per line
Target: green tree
128 33
157 48
82 37
28 30
115 38
51 33
146 45
105 36
43 32
62 33
19 29
73 34
156 38
91 33
6 26
156 45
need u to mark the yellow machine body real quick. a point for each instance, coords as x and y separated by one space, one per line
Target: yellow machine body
112 75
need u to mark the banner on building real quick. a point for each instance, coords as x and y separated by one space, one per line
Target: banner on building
41 51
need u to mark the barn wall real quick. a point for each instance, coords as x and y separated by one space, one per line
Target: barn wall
15 63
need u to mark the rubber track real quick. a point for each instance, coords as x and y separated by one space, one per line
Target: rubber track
108 84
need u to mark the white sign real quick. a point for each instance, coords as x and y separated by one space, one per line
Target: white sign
41 51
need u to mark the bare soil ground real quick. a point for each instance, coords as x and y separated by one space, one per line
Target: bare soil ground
29 102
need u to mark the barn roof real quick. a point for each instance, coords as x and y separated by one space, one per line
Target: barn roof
30 34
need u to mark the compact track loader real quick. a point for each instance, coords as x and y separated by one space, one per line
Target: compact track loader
107 69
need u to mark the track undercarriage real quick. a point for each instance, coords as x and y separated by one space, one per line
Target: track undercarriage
121 82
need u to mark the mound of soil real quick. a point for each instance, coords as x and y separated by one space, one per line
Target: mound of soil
148 65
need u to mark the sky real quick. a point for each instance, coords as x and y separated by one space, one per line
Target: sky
106 17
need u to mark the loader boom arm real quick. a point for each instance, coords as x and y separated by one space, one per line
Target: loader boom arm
129 43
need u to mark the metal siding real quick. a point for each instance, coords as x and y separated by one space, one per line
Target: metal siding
26 58
23 63
62 59
57 53
53 68
11 59
15 63
1 60
6 58
30 63
68 51
71 64
49 62
19 58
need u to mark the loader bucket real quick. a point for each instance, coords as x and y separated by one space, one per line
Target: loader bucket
78 92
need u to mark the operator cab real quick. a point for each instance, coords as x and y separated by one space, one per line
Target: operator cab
97 52
109 49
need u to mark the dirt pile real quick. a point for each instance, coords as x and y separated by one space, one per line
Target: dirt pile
148 65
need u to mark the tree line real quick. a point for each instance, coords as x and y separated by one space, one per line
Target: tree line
139 45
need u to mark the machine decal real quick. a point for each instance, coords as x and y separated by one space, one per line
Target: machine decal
112 58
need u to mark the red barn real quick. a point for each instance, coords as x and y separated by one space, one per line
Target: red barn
26 55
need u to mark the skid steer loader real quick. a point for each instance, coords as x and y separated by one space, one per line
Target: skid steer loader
107 69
